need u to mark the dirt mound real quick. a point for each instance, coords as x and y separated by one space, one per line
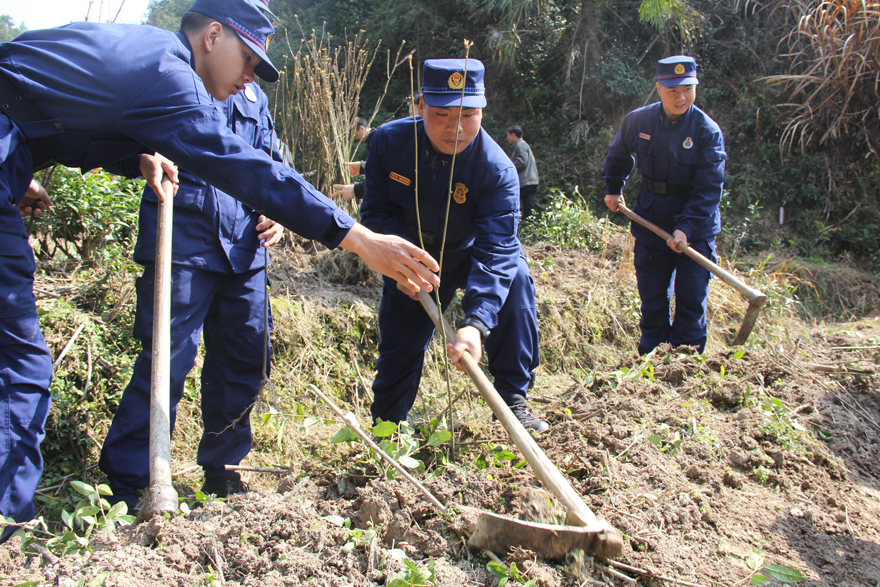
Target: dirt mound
702 462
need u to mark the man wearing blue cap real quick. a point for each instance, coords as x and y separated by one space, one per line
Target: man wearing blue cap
481 253
94 95
680 154
218 288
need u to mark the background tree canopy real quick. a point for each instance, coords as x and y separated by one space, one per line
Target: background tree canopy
793 84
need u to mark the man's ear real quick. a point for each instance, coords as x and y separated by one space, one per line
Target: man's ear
422 106
211 34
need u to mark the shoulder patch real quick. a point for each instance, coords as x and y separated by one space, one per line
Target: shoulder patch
399 178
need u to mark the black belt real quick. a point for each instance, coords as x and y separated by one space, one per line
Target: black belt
665 189
22 112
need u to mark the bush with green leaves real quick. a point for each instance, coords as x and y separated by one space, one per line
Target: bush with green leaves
565 223
93 218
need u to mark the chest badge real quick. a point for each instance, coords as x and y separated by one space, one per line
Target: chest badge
460 195
688 143
399 178
249 94
644 136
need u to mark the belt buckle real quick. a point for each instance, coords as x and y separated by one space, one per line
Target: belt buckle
659 187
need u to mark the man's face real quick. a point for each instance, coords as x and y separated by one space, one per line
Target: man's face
440 126
359 133
227 63
677 99
511 138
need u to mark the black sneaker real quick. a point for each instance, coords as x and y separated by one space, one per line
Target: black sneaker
229 484
527 419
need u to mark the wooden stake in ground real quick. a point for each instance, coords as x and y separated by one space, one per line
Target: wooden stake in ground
162 497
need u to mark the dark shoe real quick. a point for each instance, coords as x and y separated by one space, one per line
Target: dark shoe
229 484
526 418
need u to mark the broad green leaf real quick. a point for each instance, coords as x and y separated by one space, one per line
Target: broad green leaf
739 354
344 435
82 488
104 489
755 560
409 462
120 509
384 429
784 573
655 439
759 579
439 437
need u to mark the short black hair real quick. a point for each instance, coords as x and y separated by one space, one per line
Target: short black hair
193 22
515 129
360 122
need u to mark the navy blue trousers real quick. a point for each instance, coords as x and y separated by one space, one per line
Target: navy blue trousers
25 374
406 330
660 272
230 308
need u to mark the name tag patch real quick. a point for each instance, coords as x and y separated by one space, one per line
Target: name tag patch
644 136
399 178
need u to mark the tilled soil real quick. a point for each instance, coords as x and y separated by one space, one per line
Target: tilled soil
698 461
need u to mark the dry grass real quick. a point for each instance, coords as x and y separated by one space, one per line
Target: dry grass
833 80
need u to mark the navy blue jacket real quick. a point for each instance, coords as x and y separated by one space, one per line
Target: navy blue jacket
212 230
119 90
483 213
687 151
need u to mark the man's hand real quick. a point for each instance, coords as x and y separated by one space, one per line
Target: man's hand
677 237
153 167
344 190
355 168
466 339
270 231
613 201
34 201
393 256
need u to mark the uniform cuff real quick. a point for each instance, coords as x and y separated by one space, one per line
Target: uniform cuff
478 324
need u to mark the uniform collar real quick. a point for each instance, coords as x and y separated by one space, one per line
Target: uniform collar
185 42
668 122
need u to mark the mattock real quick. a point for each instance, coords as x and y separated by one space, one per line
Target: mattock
162 496
498 533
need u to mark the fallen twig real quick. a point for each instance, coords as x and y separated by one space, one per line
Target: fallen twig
67 347
647 573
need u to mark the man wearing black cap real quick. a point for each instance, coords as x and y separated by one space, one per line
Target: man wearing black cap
681 159
93 95
481 253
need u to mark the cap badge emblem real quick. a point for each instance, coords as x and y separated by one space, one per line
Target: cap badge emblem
679 69
268 38
456 81
249 94
688 143
460 195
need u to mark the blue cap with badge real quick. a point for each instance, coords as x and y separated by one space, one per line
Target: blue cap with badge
454 82
246 17
679 70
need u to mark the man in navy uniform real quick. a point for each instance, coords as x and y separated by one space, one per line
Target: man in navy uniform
218 282
680 154
481 255
93 95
